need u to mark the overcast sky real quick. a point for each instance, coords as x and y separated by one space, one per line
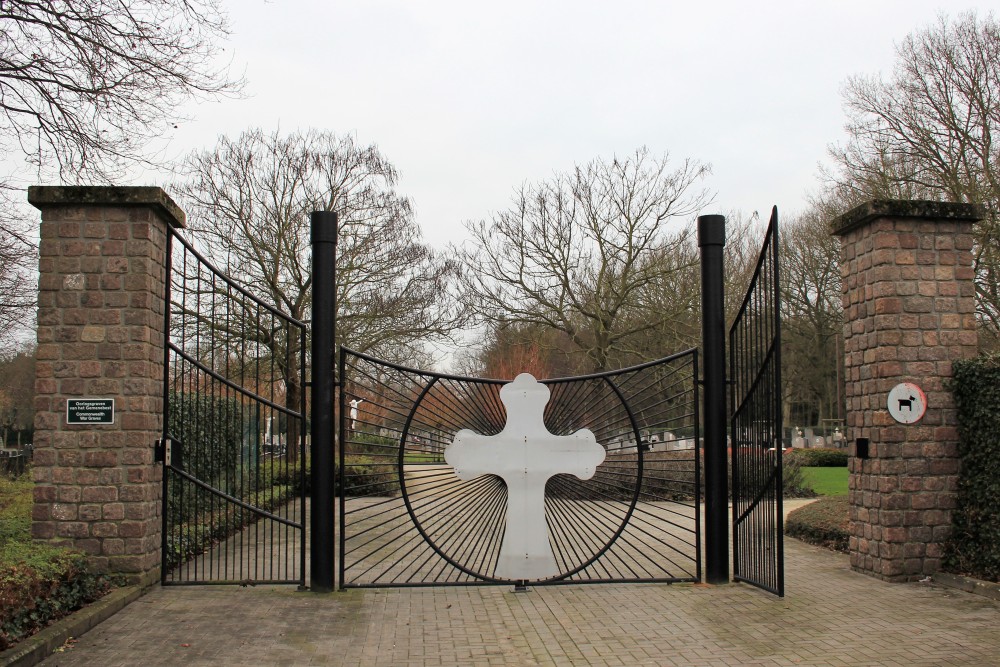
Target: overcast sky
471 99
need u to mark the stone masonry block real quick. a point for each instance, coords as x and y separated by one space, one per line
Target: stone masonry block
907 274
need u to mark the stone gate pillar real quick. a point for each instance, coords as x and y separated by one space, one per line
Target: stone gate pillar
100 336
909 302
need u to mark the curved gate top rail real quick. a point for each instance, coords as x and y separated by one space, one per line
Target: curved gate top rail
233 430
406 519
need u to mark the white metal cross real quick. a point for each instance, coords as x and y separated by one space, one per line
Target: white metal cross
525 455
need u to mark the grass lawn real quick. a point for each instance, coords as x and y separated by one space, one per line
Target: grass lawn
422 457
826 481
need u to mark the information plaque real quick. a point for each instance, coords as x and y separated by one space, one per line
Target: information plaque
90 411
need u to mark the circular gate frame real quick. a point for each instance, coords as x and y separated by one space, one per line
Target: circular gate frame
640 449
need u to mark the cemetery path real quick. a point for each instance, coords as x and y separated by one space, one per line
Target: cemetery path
830 616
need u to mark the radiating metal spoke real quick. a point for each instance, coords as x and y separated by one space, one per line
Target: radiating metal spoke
636 519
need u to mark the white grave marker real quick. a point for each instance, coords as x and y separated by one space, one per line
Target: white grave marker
525 455
354 412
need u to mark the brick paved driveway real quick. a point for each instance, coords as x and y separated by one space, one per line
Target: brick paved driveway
830 616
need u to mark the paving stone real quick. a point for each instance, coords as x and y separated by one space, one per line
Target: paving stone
830 616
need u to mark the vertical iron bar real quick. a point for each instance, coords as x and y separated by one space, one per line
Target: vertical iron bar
737 344
324 248
778 424
196 499
697 464
711 240
342 439
165 432
301 473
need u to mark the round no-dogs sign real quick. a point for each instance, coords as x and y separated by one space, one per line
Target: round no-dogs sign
907 403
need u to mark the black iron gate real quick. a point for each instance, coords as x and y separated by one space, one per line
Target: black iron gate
756 429
233 431
407 519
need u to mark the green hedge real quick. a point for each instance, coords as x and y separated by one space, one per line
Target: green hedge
268 486
819 458
369 443
38 582
824 522
670 476
367 476
211 432
192 538
974 547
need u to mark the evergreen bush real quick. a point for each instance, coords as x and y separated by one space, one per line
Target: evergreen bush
819 458
825 522
210 433
38 582
974 546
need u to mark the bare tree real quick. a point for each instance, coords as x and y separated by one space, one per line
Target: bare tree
249 202
927 132
87 83
585 252
18 286
504 349
812 317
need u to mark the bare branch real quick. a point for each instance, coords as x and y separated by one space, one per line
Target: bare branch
927 133
249 201
84 85
581 253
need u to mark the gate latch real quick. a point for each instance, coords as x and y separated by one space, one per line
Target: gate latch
161 451
164 452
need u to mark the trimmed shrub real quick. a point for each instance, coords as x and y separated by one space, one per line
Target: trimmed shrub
38 582
819 458
666 476
369 443
974 546
210 430
192 538
793 480
825 522
367 476
671 476
43 586
268 485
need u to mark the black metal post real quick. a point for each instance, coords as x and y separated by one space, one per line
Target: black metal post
321 523
711 240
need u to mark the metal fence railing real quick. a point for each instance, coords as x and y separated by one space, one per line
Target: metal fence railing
756 429
408 519
233 430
